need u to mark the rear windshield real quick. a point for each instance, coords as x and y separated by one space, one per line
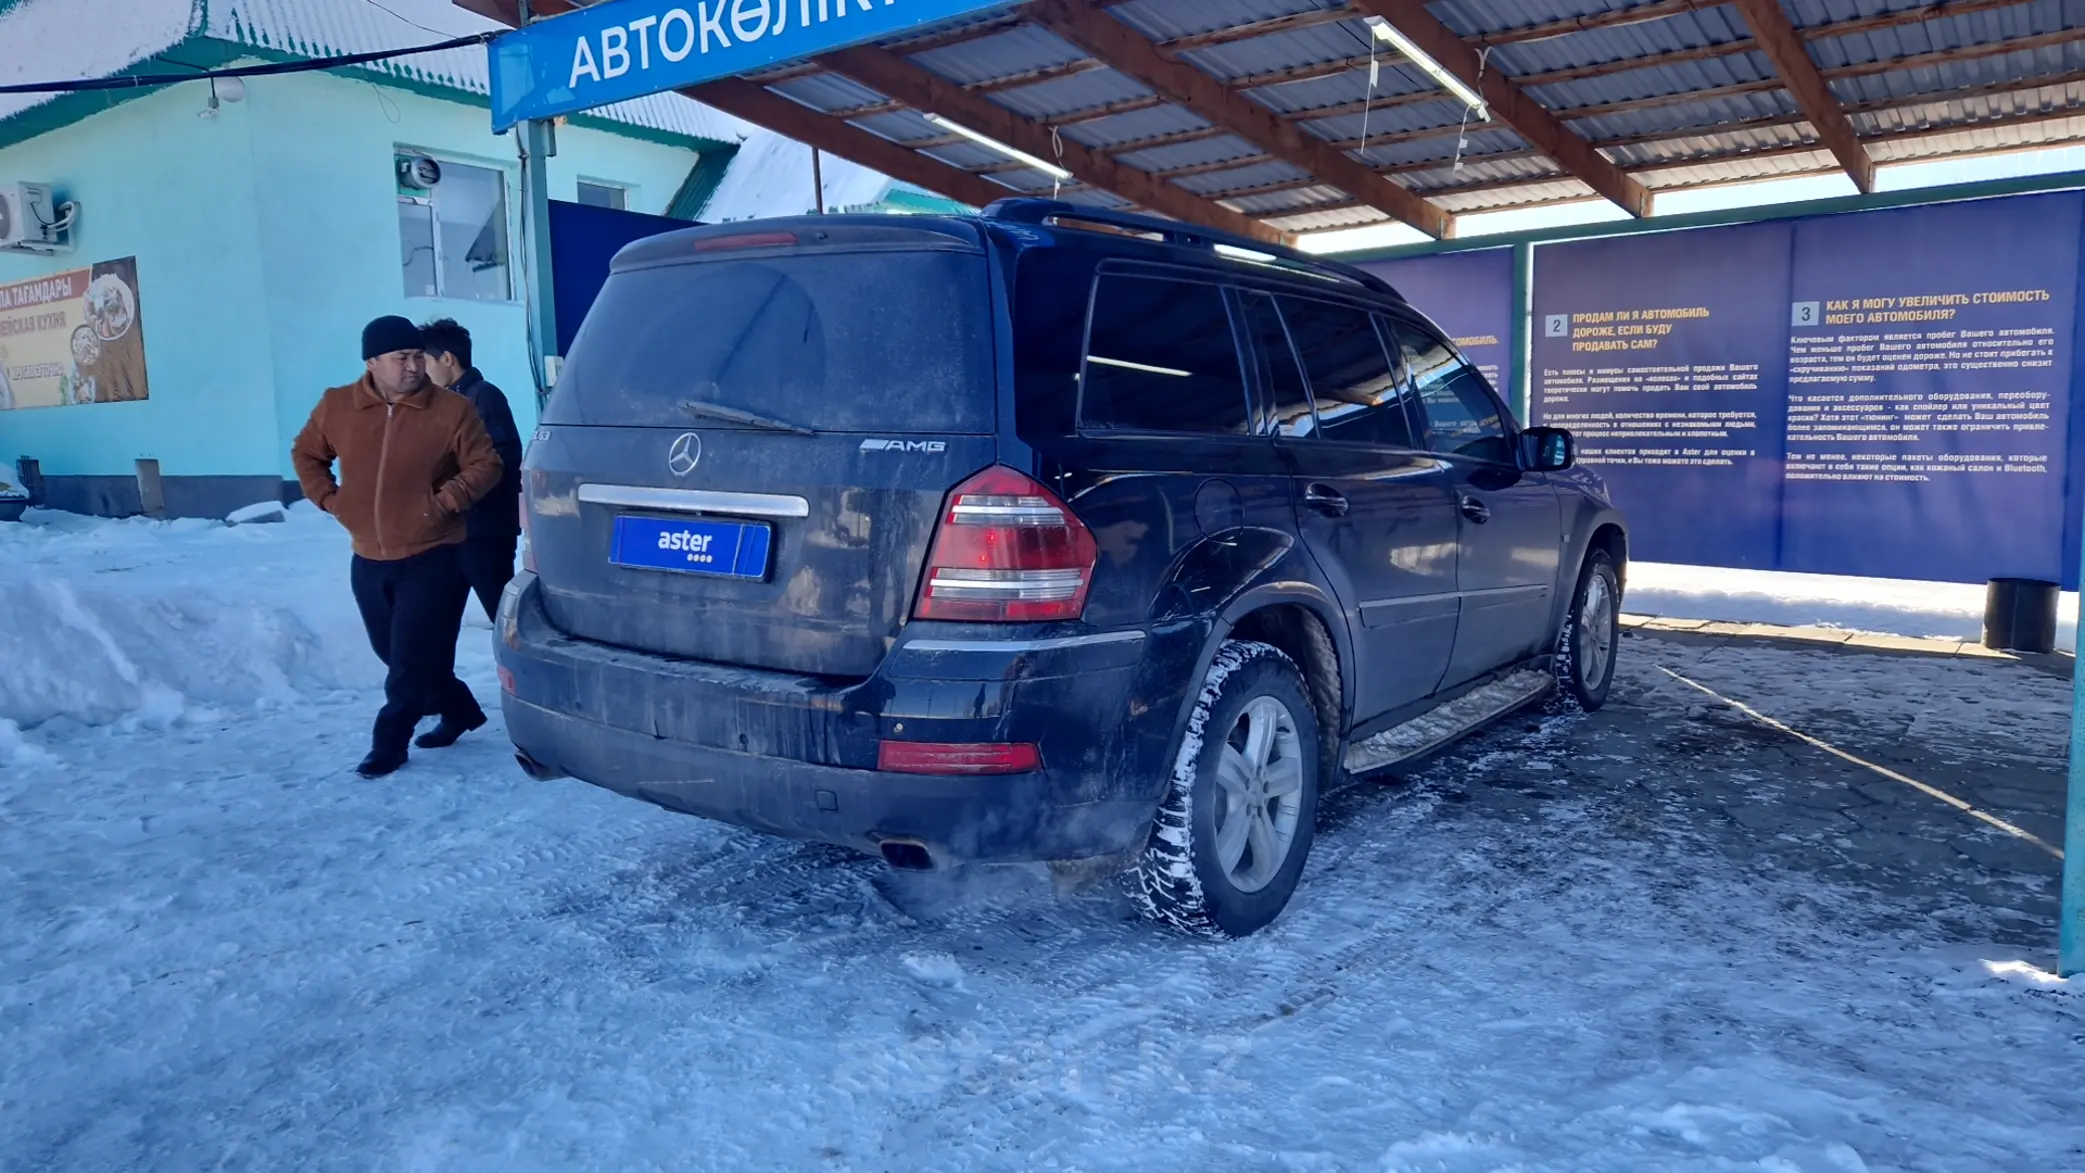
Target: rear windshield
843 342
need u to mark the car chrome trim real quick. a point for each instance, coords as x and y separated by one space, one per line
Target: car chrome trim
695 501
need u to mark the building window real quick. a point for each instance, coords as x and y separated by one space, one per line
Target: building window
452 230
604 195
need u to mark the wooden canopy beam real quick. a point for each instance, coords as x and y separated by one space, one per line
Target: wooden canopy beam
1778 40
1123 49
1509 105
890 73
757 104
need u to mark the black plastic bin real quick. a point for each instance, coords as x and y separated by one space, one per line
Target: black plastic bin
2020 615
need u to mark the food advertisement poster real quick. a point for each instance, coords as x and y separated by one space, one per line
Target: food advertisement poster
72 338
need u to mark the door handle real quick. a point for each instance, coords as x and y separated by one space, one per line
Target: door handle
1323 499
1475 510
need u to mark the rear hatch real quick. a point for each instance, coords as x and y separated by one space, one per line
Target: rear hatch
750 443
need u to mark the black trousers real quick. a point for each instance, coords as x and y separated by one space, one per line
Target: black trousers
488 562
413 610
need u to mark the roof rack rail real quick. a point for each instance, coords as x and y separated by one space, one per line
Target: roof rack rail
1028 210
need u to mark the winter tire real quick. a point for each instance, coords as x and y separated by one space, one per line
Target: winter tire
1592 636
1238 817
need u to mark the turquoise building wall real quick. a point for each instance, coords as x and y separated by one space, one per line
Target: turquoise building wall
265 237
176 191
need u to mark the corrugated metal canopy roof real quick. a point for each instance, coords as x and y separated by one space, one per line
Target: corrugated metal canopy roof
44 40
1288 116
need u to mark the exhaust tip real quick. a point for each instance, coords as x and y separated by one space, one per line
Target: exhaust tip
905 855
536 769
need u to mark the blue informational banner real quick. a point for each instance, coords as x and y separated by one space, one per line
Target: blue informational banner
630 48
1470 297
1883 394
1929 390
1667 355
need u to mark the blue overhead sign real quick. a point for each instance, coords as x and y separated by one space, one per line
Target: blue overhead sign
629 48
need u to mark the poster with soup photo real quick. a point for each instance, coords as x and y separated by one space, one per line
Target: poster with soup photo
72 338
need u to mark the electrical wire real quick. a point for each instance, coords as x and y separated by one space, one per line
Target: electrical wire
316 64
407 19
1462 135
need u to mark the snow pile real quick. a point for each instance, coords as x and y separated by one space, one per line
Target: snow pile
1918 609
146 623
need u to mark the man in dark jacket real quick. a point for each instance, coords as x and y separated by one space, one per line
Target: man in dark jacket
413 460
494 525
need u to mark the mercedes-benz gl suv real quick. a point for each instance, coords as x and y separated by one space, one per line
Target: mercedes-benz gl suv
1048 534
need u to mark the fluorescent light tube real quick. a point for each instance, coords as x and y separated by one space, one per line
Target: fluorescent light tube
1387 33
1126 365
989 143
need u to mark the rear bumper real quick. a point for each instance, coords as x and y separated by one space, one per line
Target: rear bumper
1007 818
795 756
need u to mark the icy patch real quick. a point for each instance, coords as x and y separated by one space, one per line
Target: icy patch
15 751
940 970
2033 977
259 512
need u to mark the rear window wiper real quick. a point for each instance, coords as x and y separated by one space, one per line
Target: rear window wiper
733 415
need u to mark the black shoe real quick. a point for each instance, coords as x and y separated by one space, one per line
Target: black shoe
444 735
381 762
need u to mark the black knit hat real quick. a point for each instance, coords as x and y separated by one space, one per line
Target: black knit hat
387 334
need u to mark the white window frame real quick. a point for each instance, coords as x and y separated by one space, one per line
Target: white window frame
508 179
627 192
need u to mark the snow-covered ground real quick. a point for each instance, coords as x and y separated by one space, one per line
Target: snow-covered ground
225 952
1889 606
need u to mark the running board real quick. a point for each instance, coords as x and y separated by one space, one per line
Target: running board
1437 727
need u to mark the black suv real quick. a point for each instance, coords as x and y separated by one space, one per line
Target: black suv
1048 534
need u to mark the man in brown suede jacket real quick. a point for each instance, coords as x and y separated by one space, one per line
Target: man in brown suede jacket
413 460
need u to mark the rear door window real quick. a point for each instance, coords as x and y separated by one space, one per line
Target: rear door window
1160 357
1358 395
895 341
1281 378
1462 417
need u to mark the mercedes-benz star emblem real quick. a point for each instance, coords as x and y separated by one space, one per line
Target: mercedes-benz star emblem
685 454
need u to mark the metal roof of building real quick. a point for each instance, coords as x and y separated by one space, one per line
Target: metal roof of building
1262 113
52 40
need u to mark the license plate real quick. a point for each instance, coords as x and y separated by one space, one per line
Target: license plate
726 549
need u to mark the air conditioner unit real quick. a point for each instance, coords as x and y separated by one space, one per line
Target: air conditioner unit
28 221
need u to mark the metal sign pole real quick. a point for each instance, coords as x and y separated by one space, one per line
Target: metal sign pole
2070 951
538 144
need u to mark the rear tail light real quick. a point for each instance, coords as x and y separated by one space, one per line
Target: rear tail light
1006 551
712 244
941 757
528 548
506 680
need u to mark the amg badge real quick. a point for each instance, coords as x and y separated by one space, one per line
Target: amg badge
904 445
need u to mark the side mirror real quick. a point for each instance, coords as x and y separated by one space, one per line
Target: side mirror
1547 450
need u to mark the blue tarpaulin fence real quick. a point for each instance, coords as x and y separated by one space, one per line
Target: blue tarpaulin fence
583 240
1882 393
